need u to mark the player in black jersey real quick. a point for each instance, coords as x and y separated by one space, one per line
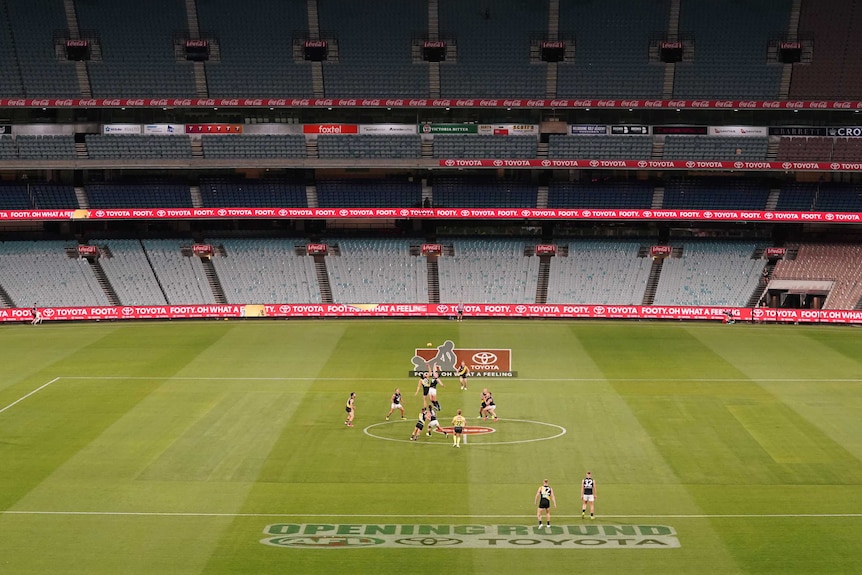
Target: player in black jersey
588 495
424 384
350 408
544 498
395 403
434 423
433 382
485 395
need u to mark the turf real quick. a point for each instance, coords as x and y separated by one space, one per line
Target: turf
171 447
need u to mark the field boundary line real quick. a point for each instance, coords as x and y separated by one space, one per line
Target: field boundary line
439 516
497 380
22 398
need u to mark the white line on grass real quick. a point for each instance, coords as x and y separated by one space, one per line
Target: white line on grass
20 399
575 379
441 516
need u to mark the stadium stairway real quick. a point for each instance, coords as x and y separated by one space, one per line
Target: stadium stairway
543 279
323 279
5 299
433 279
214 281
103 280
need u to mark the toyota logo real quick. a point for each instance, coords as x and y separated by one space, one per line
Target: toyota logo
594 163
689 164
498 162
707 214
587 213
128 311
343 212
99 213
282 212
768 215
160 213
647 214
834 166
429 541
757 312
284 309
738 164
546 163
442 308
405 213
525 213
485 358
786 165
222 212
599 309
450 162
642 164
830 216
465 213
48 312
520 309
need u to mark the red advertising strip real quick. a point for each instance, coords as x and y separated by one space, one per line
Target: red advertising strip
427 103
776 252
441 310
432 249
316 249
660 251
326 129
432 213
202 249
213 128
656 165
546 250
87 250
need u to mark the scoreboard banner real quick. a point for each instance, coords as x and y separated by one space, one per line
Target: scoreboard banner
563 311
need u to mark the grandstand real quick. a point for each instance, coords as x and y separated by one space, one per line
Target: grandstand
609 129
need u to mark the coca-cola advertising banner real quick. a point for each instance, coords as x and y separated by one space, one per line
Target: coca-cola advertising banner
432 249
563 311
86 251
660 251
428 103
316 249
775 253
431 213
204 250
546 250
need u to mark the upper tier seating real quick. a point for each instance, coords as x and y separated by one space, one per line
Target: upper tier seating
138 147
600 195
486 147
730 40
611 57
729 149
257 55
369 146
253 146
483 192
33 23
493 49
265 193
374 48
137 48
600 147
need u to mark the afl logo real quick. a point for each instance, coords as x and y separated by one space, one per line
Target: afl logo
322 541
485 358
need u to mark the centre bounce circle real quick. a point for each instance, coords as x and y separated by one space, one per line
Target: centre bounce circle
560 431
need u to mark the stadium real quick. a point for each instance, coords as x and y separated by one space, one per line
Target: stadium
637 222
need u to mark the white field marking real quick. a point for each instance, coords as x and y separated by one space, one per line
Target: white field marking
559 427
22 398
442 516
516 379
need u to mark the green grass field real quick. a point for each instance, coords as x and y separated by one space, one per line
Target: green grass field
219 447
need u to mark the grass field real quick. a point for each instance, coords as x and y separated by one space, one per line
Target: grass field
219 447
